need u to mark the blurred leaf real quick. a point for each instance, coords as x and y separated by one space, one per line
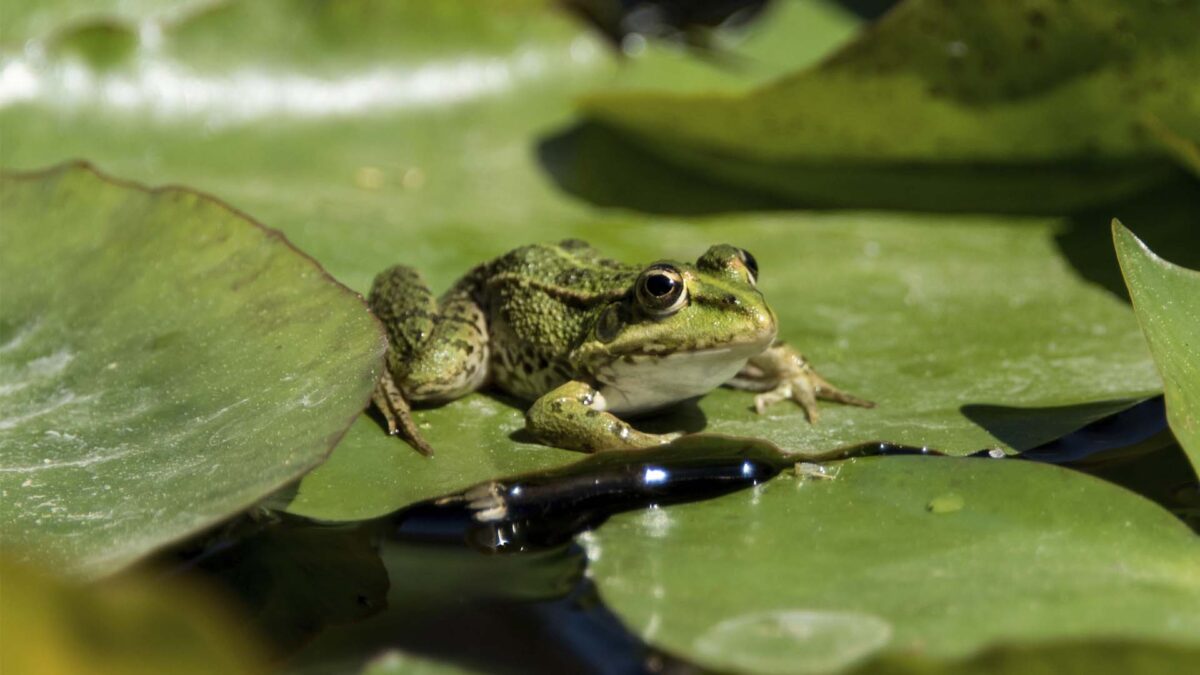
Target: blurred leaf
1098 657
925 557
1185 150
1001 105
24 21
164 363
1166 299
379 133
396 662
128 627
787 36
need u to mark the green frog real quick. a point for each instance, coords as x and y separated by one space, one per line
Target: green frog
587 341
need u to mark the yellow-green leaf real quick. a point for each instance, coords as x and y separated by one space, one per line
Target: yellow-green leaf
129 626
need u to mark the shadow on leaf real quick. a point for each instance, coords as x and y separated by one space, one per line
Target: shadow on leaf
1029 428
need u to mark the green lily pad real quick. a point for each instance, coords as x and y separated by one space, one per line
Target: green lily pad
164 363
961 328
1007 364
1096 657
1166 299
133 625
925 557
1003 106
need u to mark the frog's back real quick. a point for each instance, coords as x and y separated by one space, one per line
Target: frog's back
540 301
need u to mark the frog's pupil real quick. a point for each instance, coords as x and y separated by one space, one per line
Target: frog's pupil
659 285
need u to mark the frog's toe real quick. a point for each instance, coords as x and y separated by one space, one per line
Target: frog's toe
398 415
764 401
830 393
798 389
487 502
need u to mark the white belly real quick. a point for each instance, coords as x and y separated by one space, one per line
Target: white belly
652 382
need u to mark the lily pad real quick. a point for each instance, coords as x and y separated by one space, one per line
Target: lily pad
1003 106
960 327
1166 299
1008 336
1097 657
925 557
164 363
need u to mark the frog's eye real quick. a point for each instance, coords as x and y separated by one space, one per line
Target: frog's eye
751 265
661 290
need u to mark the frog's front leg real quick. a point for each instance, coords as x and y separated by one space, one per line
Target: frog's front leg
437 350
573 416
783 373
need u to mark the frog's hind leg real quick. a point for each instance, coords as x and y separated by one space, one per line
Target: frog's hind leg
437 349
782 373
396 411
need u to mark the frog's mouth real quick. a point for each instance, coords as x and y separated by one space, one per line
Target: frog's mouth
649 379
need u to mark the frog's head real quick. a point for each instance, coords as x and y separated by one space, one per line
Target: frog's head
680 331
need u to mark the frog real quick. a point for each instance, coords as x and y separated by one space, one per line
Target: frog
587 342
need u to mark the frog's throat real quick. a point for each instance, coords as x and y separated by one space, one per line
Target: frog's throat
644 381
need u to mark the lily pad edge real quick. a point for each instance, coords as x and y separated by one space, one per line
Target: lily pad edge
272 234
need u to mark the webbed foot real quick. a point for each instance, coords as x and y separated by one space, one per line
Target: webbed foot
782 373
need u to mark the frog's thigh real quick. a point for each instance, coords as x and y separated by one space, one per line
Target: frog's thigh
573 417
438 349
453 359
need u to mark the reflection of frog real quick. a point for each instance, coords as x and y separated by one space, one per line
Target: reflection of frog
587 339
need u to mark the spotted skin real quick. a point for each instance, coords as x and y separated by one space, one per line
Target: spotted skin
586 340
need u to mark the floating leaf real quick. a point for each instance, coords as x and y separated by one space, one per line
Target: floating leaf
1013 106
901 556
1166 299
1014 351
164 364
1096 657
962 328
